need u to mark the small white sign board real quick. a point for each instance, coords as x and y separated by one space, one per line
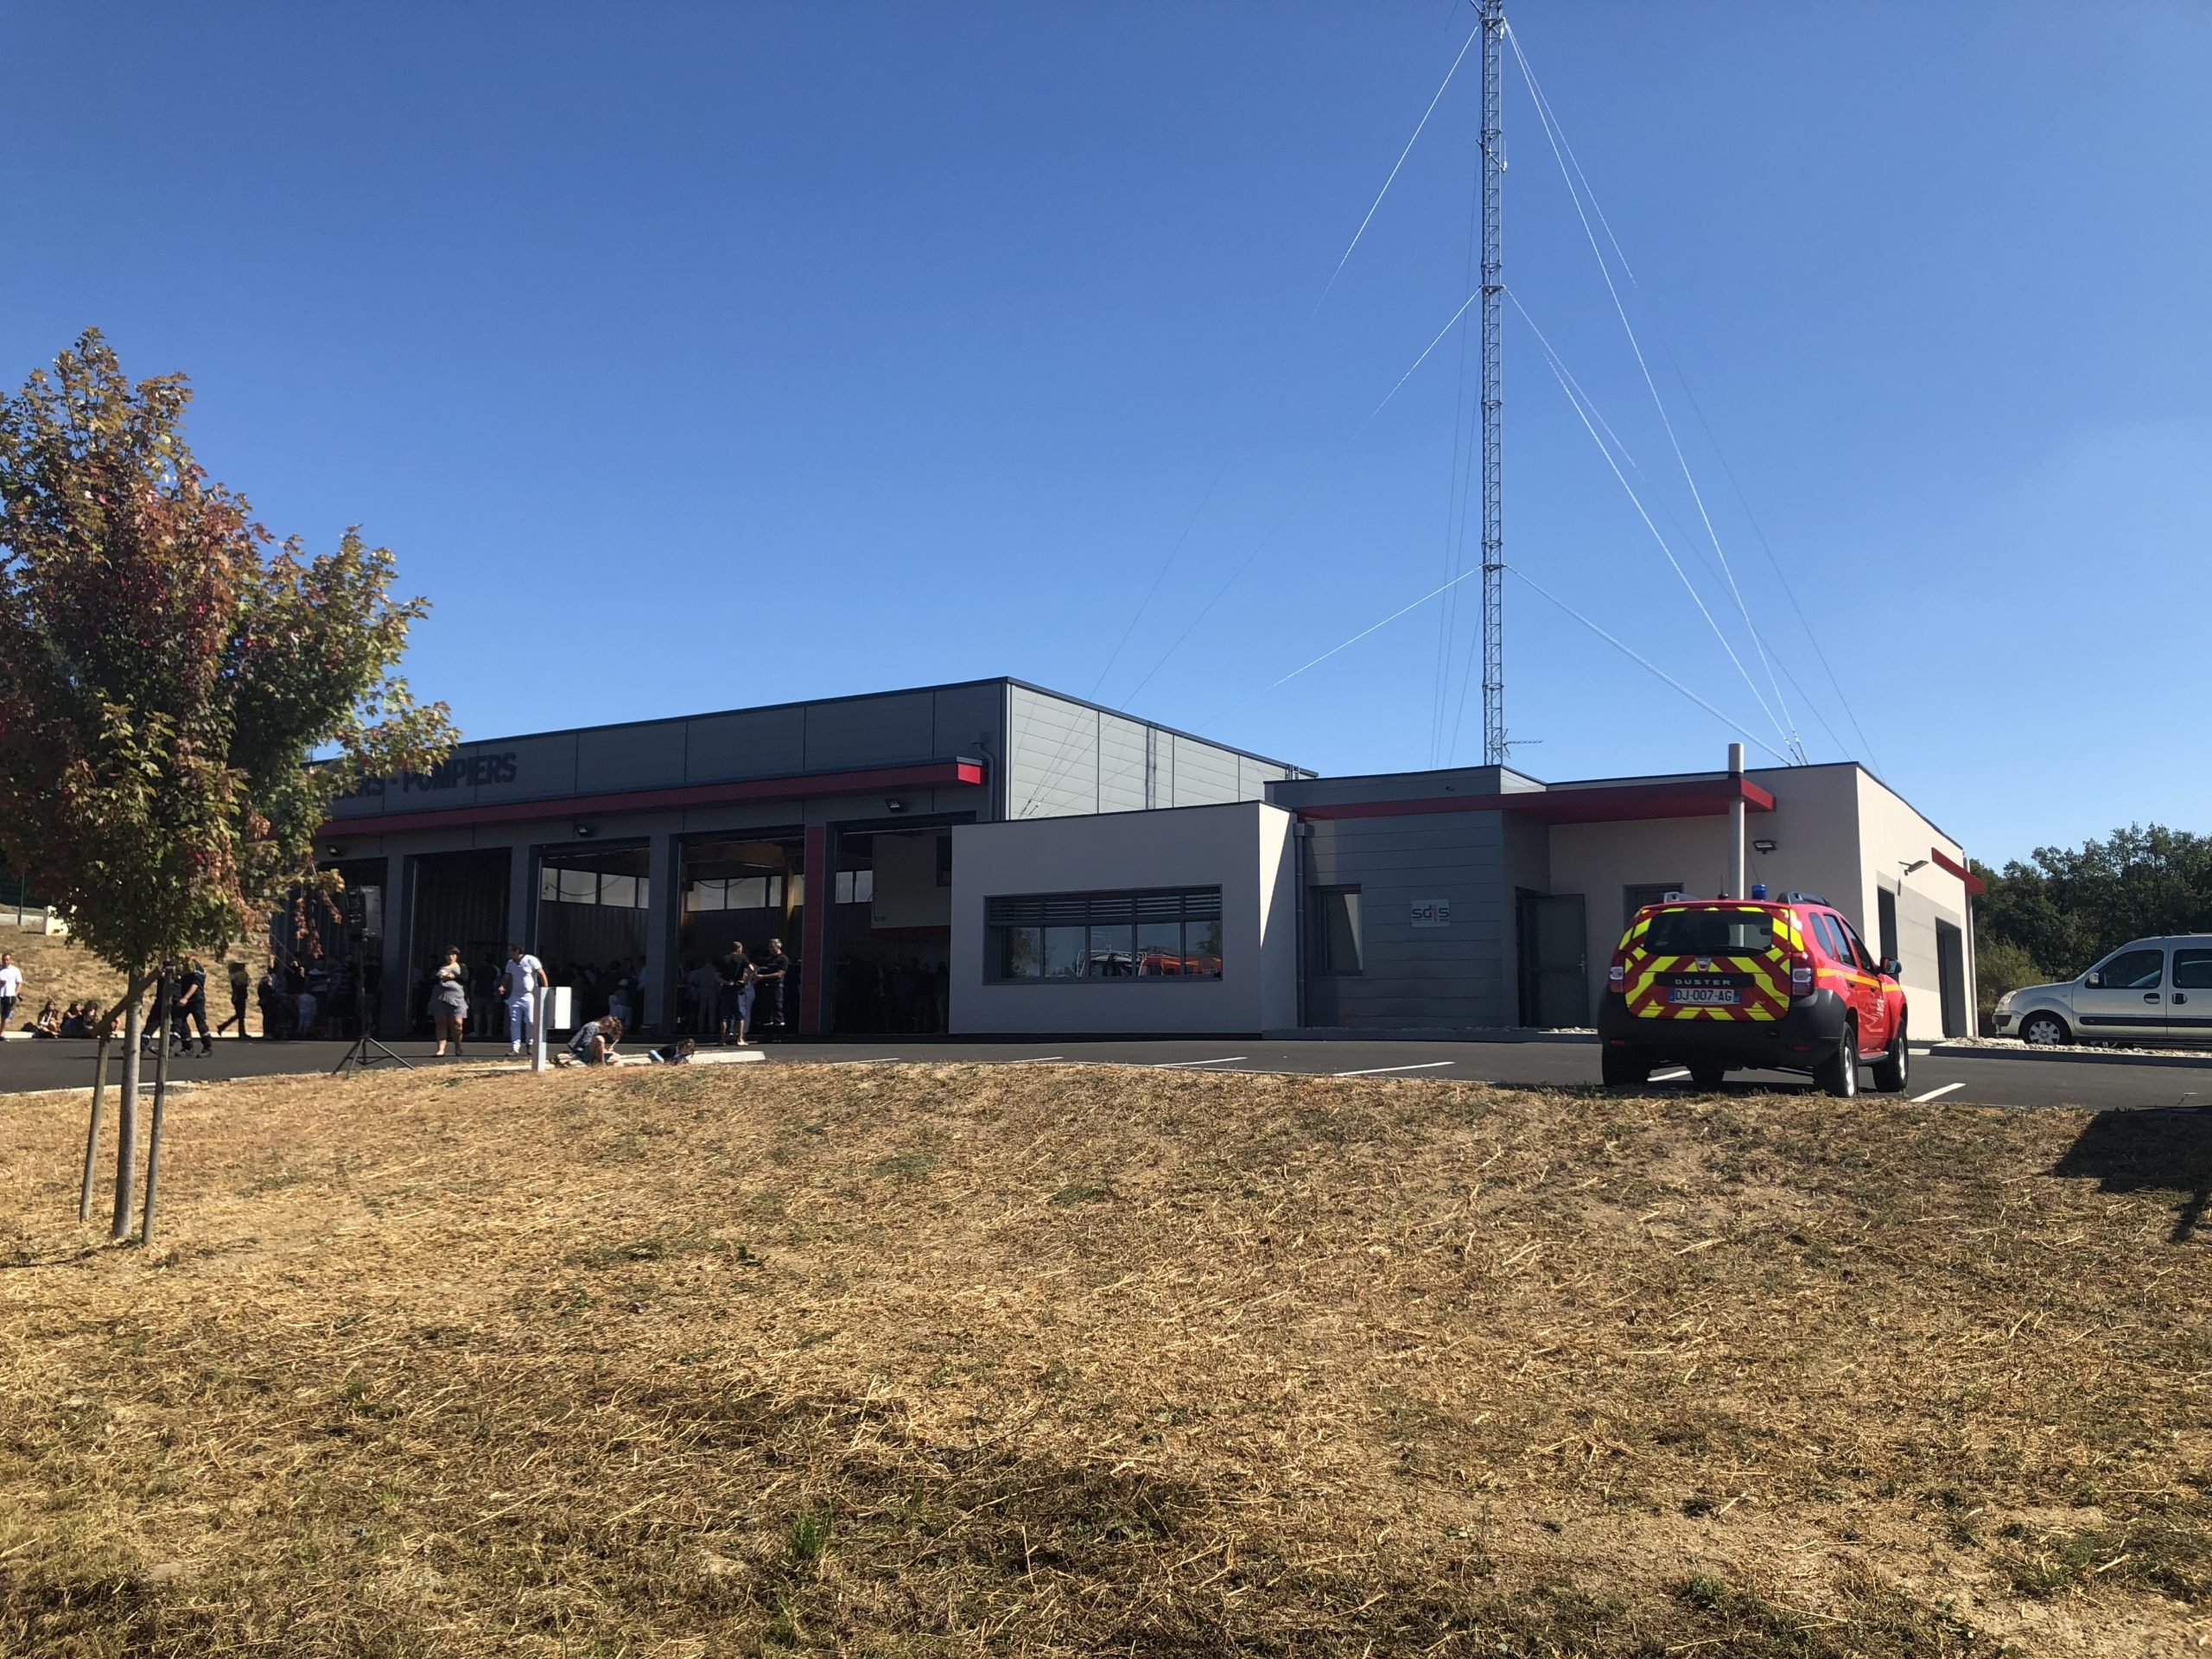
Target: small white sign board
1432 913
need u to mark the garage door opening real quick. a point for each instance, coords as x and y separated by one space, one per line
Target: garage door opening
460 903
751 891
591 927
891 932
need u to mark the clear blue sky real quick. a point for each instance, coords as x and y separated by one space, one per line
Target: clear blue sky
694 356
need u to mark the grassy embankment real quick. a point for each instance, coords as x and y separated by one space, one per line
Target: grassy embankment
1034 1359
63 969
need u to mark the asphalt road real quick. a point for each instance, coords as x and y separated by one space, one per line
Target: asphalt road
1974 1081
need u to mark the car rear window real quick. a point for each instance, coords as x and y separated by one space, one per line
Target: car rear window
1710 932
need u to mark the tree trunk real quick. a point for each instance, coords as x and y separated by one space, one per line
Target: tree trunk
126 1117
92 1129
164 1015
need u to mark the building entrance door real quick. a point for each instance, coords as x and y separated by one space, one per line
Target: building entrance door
1555 958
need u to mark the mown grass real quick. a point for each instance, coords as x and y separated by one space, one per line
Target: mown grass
966 1360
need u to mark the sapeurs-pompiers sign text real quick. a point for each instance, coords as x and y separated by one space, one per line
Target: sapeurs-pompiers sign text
472 769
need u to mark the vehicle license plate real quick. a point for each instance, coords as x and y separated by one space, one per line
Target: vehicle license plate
1703 996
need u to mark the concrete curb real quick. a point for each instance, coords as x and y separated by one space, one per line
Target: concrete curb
2066 1056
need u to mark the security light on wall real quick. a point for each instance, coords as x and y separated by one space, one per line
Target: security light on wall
892 803
1764 846
1916 864
334 851
584 832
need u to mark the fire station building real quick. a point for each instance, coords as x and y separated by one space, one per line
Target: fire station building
993 858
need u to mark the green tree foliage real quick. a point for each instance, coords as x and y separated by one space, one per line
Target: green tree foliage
169 671
2063 908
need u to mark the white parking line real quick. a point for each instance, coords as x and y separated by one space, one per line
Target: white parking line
1226 1059
1670 1074
1034 1059
1377 1070
880 1059
1920 1053
1936 1094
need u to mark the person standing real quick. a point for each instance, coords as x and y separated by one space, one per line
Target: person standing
190 1008
449 1003
11 988
241 988
769 974
735 972
703 986
519 984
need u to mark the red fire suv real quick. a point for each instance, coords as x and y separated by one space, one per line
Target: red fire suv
1728 984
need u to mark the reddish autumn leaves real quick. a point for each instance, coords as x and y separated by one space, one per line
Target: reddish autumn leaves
166 670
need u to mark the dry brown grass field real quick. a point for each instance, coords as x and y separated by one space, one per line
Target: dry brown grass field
1047 1360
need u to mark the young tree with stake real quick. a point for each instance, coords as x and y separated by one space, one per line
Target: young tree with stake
167 672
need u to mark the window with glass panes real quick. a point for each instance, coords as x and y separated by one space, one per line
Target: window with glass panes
562 885
1098 938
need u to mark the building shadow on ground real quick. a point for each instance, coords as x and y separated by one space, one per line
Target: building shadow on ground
2149 1150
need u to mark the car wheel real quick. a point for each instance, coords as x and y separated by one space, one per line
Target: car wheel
1894 1068
1839 1073
1709 1076
1624 1070
2045 1031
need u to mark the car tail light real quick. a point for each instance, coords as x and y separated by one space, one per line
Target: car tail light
1616 976
1800 975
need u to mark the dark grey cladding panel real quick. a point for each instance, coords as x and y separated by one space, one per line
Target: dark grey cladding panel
968 720
752 743
543 766
871 731
631 757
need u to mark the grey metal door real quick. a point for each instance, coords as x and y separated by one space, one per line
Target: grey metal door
1562 960
1951 979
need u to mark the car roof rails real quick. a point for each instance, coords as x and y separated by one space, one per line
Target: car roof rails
1795 898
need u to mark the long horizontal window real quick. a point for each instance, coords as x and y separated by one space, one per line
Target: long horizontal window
560 885
1102 936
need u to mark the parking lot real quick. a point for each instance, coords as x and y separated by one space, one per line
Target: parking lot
1990 1080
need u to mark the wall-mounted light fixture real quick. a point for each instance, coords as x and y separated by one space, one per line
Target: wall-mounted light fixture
1764 846
334 850
1915 864
584 832
892 803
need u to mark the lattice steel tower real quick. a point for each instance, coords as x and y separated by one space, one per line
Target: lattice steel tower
1492 13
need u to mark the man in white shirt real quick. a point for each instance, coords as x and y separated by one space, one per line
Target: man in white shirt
11 988
519 983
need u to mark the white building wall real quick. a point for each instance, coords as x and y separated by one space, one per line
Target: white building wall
1243 848
1837 832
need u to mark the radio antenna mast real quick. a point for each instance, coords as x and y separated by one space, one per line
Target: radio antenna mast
1492 13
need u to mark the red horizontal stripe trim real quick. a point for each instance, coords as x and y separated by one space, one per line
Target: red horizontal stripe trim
1975 886
1618 803
930 774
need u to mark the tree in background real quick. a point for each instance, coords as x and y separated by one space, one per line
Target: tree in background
2053 915
167 675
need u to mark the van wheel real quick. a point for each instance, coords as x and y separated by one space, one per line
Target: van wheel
1624 1070
2045 1031
1839 1073
1895 1066
1709 1076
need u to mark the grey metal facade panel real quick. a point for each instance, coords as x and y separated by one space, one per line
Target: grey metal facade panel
871 731
1418 976
1400 786
1129 765
544 767
633 757
752 743
1204 773
1052 757
968 720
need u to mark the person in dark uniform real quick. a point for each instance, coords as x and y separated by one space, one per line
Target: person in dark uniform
735 972
241 988
190 1008
770 974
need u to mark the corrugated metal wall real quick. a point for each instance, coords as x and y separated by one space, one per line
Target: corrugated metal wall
1066 757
